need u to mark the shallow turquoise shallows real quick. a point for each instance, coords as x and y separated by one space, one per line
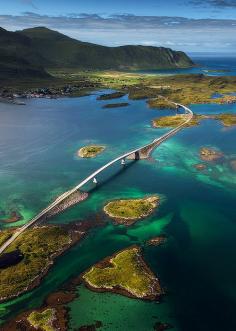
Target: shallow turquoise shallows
38 158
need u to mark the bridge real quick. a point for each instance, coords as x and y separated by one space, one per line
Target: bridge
138 153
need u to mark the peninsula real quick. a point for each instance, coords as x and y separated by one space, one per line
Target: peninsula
31 255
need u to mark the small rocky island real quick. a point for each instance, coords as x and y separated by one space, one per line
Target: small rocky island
90 151
116 105
210 154
43 320
124 273
110 96
129 211
157 241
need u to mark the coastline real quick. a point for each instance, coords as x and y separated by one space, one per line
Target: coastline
76 232
130 220
117 289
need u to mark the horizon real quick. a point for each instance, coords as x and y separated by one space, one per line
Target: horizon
190 26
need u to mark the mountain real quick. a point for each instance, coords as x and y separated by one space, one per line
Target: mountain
59 50
18 58
30 52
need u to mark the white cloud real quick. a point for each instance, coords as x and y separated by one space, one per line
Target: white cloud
177 32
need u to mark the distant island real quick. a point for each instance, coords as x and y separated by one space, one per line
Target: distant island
116 105
31 52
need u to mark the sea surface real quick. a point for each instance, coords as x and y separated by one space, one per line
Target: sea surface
197 266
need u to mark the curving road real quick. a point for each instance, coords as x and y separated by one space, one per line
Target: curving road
65 195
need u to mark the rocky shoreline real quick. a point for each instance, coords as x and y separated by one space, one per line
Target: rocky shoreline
90 151
76 233
129 220
156 290
58 301
72 200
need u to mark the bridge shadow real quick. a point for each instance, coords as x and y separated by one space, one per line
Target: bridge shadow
123 169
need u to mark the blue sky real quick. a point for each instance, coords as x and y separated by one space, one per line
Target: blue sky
189 25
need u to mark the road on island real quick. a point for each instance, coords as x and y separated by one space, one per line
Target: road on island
65 195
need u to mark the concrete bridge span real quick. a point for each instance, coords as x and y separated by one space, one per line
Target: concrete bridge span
138 153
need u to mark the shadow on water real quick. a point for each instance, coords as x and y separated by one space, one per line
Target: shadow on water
112 177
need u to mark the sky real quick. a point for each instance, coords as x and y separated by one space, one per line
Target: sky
187 25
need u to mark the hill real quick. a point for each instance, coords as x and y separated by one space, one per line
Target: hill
58 50
18 58
30 52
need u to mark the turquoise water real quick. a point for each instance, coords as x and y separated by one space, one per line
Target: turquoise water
38 145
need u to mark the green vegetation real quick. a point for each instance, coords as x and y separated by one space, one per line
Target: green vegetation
42 320
26 54
174 121
161 103
226 119
125 273
116 105
110 96
185 89
210 154
4 236
169 121
39 247
17 57
58 50
90 151
128 211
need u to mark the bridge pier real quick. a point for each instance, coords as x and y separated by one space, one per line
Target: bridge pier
136 156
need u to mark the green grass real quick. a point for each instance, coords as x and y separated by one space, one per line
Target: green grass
131 209
161 103
227 119
169 121
127 271
43 320
91 151
38 246
5 235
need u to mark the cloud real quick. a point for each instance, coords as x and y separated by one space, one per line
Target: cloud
176 32
215 3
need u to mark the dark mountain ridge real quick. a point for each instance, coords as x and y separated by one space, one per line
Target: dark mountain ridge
28 52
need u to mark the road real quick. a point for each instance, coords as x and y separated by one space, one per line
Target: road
65 195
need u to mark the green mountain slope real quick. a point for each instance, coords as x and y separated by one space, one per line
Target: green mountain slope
26 54
18 58
58 50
